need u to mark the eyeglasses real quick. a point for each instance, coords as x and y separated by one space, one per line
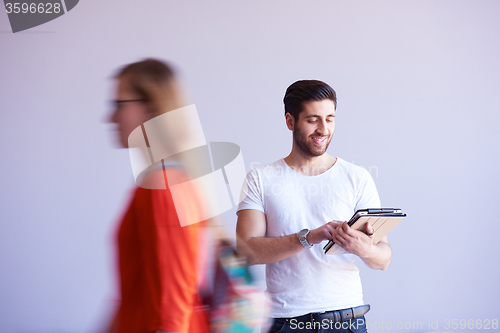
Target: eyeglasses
118 102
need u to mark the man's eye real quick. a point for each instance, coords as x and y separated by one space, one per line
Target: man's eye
312 121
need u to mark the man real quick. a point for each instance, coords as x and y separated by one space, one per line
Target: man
284 219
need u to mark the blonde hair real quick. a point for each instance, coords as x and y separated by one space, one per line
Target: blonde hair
155 82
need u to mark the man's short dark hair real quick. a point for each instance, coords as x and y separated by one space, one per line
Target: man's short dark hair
306 91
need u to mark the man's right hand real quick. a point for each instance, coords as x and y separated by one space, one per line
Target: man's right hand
252 242
325 232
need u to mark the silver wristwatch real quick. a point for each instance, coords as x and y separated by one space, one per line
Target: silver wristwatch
302 235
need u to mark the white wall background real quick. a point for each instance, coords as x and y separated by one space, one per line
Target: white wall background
419 104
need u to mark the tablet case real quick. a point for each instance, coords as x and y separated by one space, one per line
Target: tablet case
382 220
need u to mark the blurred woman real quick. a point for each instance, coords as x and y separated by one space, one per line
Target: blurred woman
158 258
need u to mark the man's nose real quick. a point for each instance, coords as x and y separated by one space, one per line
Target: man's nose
322 128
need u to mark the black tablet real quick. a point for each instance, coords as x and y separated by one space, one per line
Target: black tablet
382 220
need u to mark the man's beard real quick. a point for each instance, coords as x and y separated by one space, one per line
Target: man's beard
305 147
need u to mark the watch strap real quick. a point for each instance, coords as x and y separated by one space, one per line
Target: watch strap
302 235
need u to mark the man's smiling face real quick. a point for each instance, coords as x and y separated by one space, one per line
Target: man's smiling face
313 131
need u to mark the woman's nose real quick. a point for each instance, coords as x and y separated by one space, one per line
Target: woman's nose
113 117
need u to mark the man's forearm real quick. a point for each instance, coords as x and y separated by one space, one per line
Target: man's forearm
267 250
379 257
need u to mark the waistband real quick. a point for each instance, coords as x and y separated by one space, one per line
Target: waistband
335 315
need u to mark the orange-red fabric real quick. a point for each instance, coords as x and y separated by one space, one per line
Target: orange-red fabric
158 266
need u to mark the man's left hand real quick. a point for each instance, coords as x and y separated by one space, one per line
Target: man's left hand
354 241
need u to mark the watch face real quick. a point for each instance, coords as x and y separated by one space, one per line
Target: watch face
303 233
302 238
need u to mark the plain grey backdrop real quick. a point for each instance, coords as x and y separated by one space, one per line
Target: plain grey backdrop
418 105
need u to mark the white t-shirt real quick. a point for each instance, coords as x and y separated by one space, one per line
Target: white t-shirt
310 281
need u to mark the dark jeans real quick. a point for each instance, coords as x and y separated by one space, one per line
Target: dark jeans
305 324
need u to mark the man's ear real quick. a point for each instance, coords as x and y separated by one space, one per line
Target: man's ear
290 121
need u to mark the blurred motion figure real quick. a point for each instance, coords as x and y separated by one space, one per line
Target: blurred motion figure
158 259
